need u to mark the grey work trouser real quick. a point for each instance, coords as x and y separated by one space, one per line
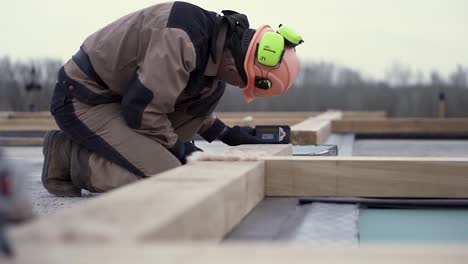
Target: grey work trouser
106 152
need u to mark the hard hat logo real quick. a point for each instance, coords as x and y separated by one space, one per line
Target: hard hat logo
271 64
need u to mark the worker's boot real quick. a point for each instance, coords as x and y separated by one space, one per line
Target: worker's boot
56 170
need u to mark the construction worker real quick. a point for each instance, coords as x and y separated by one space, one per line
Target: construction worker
132 98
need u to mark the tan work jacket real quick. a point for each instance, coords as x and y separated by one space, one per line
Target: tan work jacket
156 61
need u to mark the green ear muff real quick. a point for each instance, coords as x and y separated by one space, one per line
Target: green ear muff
270 49
291 37
271 46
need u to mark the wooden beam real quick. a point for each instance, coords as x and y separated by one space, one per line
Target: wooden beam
236 115
286 118
249 253
27 124
367 177
363 114
21 141
300 115
287 121
43 121
198 201
263 118
314 130
402 125
240 115
24 115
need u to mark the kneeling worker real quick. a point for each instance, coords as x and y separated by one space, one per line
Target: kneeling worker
131 99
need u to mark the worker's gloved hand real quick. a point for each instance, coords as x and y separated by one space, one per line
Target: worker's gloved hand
182 150
191 148
231 136
239 135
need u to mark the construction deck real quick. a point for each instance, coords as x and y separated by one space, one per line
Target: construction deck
209 202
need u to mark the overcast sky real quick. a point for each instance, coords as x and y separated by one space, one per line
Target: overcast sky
368 35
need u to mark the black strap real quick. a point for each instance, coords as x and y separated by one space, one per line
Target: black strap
83 61
238 38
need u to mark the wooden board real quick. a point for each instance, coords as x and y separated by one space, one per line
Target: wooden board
263 118
21 141
27 124
248 253
43 121
287 121
314 130
301 115
25 115
367 177
240 115
394 125
198 201
286 118
363 114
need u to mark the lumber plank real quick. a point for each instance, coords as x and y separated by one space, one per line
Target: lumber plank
402 125
314 130
264 149
367 177
43 121
26 115
263 118
198 201
193 202
21 141
240 115
249 253
27 124
248 121
237 115
300 115
364 114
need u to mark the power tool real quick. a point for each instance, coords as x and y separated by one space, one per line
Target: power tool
282 134
273 134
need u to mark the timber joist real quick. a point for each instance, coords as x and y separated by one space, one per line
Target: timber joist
314 130
402 125
204 200
43 121
307 127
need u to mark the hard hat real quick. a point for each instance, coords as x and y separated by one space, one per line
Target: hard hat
271 64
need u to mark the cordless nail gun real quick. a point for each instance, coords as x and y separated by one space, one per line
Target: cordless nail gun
273 134
282 135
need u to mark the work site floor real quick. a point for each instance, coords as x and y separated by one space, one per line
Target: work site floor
29 160
279 211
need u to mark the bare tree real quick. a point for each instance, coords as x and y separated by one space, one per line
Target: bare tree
27 86
399 75
459 78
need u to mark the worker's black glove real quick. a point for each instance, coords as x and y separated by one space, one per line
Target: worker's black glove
182 150
239 135
232 136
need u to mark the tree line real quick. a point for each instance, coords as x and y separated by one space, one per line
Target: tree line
28 86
